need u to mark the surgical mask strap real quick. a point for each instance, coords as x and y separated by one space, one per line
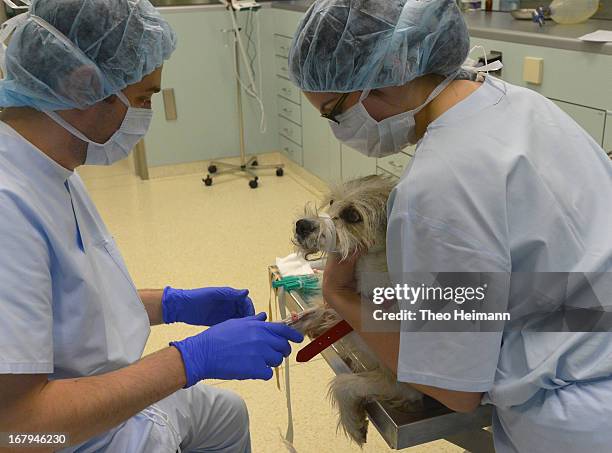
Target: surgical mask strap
480 70
69 127
7 30
73 130
434 94
123 99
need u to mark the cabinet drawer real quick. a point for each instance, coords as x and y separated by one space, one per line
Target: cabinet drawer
395 164
290 130
282 46
291 150
289 110
592 120
287 90
282 67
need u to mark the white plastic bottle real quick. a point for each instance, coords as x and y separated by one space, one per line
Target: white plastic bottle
573 11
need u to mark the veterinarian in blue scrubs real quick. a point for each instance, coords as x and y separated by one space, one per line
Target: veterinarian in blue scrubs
79 77
502 181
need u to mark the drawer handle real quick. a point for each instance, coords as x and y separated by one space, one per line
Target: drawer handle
288 131
288 111
286 90
285 69
287 149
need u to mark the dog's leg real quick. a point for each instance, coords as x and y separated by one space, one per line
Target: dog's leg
349 393
317 321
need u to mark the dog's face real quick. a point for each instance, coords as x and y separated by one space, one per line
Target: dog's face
358 210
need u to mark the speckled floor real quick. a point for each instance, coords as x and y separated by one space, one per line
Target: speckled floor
177 231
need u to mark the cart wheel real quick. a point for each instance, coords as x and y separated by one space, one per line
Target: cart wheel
255 163
253 184
212 169
208 181
280 172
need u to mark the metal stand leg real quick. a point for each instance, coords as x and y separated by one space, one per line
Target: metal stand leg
247 167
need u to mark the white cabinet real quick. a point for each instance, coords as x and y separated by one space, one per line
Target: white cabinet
303 135
288 103
592 120
321 149
355 164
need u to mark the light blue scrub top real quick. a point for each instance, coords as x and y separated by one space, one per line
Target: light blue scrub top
68 307
506 181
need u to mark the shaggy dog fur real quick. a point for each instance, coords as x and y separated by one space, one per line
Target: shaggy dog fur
358 210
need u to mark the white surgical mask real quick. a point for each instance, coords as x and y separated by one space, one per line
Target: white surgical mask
133 128
363 133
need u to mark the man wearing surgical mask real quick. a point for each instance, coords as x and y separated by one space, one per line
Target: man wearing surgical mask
503 183
79 78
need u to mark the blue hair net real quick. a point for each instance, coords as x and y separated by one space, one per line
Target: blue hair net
343 46
67 54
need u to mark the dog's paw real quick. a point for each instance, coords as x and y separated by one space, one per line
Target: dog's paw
357 430
317 321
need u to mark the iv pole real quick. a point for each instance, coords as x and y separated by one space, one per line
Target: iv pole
247 167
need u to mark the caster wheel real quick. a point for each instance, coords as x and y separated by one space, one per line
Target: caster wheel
212 169
208 181
254 163
280 172
253 184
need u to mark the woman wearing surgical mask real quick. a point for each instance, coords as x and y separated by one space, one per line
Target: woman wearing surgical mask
79 76
502 183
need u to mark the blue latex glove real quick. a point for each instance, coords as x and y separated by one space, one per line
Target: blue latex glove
246 348
205 306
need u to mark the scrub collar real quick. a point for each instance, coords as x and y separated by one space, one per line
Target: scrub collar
32 158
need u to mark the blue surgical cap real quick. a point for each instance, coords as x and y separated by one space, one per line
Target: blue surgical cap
343 46
67 54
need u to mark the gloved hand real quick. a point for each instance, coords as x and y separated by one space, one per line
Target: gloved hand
205 306
240 349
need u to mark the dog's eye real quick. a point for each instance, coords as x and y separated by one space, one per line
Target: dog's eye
351 215
331 202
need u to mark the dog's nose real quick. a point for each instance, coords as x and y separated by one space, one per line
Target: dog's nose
304 227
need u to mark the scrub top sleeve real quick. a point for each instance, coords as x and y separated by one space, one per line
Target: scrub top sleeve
461 361
26 319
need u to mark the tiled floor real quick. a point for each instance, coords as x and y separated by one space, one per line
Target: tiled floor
177 231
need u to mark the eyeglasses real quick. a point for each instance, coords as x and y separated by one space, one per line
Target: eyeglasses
336 110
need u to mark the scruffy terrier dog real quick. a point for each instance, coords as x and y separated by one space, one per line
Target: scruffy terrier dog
354 218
